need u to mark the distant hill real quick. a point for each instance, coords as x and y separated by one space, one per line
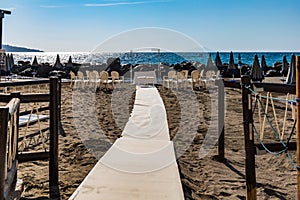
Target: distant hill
9 48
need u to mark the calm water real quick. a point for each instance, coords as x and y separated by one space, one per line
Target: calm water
152 57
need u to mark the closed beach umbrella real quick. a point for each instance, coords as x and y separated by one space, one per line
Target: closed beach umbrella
210 65
57 64
8 65
285 66
70 63
264 66
70 60
35 63
239 60
291 76
231 62
218 61
12 61
256 71
232 70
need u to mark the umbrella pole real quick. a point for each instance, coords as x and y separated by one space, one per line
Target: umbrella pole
298 122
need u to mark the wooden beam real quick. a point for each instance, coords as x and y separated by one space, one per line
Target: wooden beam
30 98
40 109
276 87
274 147
34 134
33 156
268 87
232 84
26 98
24 83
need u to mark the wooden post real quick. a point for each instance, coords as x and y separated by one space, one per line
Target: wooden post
1 22
3 154
2 13
18 96
221 115
54 120
249 139
298 122
61 130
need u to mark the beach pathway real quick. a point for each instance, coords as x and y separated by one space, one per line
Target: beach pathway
142 163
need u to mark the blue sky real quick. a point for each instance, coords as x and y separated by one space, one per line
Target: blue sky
221 25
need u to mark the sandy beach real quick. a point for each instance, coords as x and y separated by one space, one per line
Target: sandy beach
202 178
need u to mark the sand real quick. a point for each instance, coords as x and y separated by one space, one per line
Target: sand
100 122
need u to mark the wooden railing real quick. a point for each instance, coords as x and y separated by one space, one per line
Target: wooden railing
9 131
53 97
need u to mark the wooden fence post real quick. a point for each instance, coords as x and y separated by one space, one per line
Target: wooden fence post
54 120
249 139
298 122
61 130
3 154
221 116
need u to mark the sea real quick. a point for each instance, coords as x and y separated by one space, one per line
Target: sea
150 57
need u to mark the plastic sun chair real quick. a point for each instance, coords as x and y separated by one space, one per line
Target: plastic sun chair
93 79
96 74
181 80
195 79
80 79
104 79
73 78
209 77
202 79
170 78
217 75
116 78
186 73
87 74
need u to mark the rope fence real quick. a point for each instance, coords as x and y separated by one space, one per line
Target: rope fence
258 99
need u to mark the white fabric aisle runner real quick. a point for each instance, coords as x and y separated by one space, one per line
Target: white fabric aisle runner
148 118
141 165
139 156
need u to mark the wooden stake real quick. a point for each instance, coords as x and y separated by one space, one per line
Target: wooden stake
54 120
249 140
3 150
221 116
